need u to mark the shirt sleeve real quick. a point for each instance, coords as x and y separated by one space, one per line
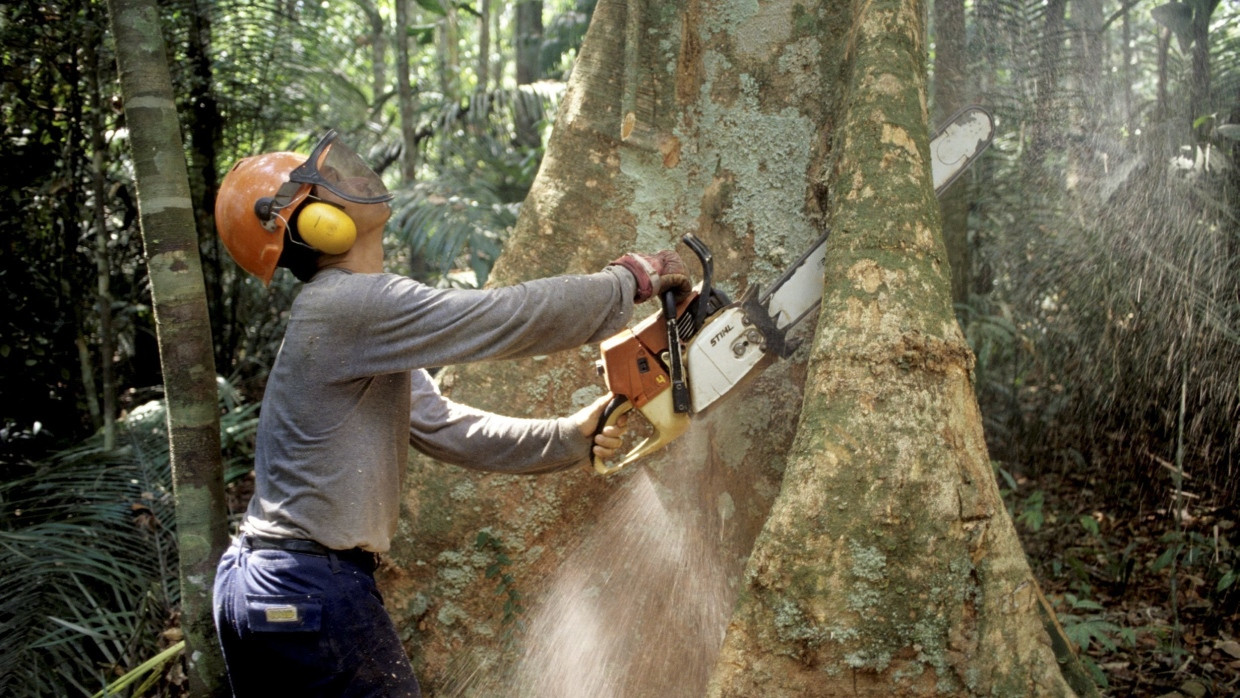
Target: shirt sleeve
405 325
461 435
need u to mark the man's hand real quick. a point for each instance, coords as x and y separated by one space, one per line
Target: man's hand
657 273
608 441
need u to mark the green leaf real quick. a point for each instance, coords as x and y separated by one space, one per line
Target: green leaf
1031 519
1087 604
1231 131
1095 672
1090 631
1007 477
1166 558
432 6
422 35
1227 580
1090 524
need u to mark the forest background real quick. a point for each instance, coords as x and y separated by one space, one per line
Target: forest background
1095 256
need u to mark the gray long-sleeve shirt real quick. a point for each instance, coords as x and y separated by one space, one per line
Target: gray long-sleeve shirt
348 394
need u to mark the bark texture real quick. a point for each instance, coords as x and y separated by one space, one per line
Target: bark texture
888 565
680 117
179 298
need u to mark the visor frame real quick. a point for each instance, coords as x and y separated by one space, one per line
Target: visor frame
309 173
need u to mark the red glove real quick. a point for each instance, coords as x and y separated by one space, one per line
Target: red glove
657 274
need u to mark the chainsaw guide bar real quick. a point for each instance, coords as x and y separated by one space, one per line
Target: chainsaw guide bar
712 344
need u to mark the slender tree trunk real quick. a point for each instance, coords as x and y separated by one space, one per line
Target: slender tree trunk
1046 124
1162 108
103 267
529 40
404 94
179 300
449 54
500 63
1128 71
204 126
1199 98
378 48
484 44
75 137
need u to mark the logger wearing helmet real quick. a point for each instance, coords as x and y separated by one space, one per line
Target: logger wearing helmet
296 605
268 200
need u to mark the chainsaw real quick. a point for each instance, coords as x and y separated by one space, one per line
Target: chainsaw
680 361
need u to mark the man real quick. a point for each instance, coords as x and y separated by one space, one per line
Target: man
296 606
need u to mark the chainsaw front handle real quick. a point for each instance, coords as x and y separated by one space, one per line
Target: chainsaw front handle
659 411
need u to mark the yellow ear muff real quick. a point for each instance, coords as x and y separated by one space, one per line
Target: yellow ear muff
326 228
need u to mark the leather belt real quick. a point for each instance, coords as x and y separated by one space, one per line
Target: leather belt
362 558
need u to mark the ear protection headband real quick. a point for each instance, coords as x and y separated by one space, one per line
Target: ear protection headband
326 228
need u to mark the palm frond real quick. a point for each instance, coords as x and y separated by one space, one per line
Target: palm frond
485 161
88 560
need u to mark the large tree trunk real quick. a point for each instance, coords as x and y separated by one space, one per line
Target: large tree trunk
888 565
584 585
180 305
722 143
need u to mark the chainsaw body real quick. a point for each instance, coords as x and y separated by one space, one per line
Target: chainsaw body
682 360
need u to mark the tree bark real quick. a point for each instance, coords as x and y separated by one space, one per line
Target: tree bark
1046 125
889 565
404 96
449 63
712 151
528 41
629 580
179 300
378 49
1199 92
204 125
103 266
484 45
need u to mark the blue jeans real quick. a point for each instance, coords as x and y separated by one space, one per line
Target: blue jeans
299 624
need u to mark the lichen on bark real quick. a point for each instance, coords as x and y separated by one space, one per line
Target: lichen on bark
888 565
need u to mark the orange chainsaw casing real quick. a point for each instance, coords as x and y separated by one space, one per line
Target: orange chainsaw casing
632 363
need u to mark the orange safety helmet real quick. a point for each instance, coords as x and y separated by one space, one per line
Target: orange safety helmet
261 193
256 244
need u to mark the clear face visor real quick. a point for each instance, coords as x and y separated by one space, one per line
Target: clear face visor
334 166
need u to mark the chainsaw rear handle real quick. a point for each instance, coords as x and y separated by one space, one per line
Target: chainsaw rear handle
663 417
645 366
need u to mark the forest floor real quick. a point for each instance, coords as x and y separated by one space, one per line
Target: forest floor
1108 572
1153 605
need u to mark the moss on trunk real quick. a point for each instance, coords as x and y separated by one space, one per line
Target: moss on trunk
889 565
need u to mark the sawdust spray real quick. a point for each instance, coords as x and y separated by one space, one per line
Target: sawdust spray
640 607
